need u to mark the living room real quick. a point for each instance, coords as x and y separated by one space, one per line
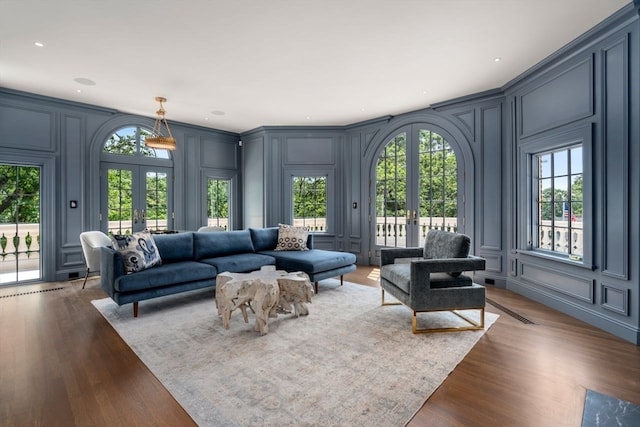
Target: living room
580 98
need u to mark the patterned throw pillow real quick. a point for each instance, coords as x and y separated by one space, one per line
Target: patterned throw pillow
292 238
138 250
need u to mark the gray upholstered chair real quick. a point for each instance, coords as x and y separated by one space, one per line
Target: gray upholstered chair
91 242
431 279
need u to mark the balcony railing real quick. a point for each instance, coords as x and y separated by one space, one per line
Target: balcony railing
19 252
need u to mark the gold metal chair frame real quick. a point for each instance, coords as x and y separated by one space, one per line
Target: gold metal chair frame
473 325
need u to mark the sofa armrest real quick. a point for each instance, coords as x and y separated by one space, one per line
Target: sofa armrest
421 269
446 265
389 255
111 267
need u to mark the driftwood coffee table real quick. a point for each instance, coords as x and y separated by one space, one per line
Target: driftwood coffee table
267 292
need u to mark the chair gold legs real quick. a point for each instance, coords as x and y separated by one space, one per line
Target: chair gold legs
389 303
472 324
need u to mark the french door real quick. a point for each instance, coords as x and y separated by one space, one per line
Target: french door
136 197
20 258
416 189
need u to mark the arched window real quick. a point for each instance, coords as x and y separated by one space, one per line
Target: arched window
136 184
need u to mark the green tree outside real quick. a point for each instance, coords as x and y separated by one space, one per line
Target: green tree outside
19 194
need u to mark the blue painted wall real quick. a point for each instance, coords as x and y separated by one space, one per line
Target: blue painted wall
586 90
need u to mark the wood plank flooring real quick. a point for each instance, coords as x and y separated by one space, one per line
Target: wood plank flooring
61 364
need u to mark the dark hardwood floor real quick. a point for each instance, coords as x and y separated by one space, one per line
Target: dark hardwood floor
61 364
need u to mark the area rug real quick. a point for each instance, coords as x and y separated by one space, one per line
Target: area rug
350 362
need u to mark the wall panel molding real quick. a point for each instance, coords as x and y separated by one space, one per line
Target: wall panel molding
614 299
615 159
572 285
309 150
29 128
560 99
490 169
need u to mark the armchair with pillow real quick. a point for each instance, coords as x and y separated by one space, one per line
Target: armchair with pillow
431 279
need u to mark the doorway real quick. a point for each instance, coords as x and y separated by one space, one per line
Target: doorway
417 183
136 185
20 208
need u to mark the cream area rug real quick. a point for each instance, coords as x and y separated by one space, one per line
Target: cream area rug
350 362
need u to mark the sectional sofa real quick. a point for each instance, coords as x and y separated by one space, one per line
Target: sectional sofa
192 260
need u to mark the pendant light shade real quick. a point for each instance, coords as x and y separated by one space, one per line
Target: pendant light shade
159 138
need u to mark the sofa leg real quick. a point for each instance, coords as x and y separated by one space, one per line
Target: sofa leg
341 279
316 286
135 309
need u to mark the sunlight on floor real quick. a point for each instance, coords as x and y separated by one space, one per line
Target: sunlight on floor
374 274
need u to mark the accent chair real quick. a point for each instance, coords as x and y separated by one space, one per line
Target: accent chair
430 278
91 242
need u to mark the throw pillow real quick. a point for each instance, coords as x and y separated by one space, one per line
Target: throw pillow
292 238
138 250
445 244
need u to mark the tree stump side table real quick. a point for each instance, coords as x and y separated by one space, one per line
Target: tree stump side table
266 291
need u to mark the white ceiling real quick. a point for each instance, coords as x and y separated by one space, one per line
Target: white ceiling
236 65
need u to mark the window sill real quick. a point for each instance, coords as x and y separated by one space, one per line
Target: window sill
555 258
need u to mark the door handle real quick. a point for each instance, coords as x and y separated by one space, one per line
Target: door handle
144 215
415 217
408 216
135 216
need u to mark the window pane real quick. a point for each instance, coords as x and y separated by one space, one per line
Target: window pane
156 215
391 191
438 182
218 203
119 201
122 141
310 202
560 163
559 201
576 188
560 188
576 160
544 165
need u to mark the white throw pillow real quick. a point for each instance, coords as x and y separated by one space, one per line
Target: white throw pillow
292 238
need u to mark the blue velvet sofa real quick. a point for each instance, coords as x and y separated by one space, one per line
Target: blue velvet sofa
192 260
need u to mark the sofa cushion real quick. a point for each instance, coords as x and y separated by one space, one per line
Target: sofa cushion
292 238
240 263
444 244
138 250
209 245
175 247
398 274
264 239
165 275
311 261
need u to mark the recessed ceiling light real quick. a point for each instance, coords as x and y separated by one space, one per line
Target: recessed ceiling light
497 59
84 81
79 90
206 118
39 44
217 113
